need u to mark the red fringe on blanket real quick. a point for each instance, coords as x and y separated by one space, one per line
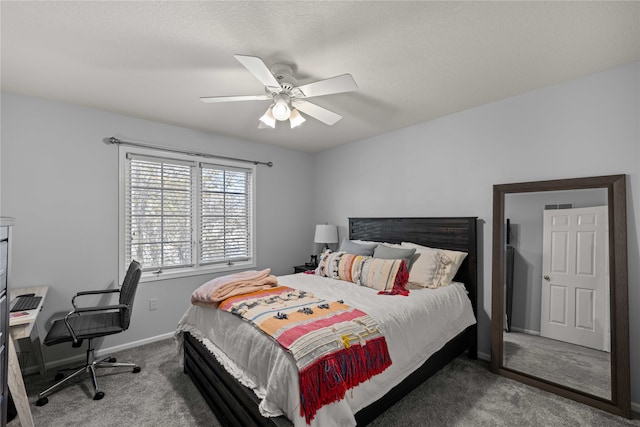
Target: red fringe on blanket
328 379
402 277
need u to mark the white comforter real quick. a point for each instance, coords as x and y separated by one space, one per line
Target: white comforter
415 327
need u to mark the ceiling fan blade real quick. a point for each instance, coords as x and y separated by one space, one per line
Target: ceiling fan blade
258 68
214 99
338 84
317 112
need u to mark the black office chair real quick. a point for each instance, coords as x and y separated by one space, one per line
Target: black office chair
87 323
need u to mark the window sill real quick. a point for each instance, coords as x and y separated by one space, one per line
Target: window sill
187 272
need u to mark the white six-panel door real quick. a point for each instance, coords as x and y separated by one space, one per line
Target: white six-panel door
575 277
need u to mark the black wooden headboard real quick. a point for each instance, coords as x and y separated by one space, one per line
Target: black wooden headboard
453 233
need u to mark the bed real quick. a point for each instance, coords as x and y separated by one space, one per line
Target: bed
237 405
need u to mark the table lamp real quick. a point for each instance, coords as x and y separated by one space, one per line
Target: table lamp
325 234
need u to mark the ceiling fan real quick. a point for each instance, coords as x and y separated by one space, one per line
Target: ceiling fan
288 99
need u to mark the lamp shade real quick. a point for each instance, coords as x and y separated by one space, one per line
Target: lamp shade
296 118
268 119
326 233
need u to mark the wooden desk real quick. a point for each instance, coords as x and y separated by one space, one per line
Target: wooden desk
24 327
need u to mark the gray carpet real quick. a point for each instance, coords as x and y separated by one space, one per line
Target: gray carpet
160 395
464 393
575 366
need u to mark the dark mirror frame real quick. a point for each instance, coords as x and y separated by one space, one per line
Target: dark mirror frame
620 402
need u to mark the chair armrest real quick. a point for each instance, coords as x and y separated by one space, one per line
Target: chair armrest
96 292
98 308
86 310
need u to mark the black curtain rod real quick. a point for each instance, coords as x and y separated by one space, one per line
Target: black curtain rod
114 140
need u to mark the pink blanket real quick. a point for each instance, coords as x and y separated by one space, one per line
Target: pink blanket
221 288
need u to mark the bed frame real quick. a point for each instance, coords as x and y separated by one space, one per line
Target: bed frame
236 405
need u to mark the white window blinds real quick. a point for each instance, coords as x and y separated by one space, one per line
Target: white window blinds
159 217
225 214
181 217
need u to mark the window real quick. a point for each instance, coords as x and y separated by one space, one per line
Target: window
225 221
180 216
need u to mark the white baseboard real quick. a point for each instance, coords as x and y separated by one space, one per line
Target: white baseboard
99 353
484 356
525 331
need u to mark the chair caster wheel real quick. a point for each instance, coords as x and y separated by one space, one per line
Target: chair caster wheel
42 401
112 360
99 395
136 369
59 376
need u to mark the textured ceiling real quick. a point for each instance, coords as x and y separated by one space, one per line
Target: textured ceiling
413 61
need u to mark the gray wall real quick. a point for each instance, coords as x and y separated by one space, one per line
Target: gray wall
60 183
447 166
52 160
525 210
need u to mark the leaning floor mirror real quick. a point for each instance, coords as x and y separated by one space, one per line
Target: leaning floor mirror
559 312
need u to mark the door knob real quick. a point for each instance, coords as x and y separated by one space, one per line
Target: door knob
546 277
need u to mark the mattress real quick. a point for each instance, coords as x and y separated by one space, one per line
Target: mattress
415 327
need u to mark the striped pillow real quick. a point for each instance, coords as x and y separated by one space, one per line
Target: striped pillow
385 275
349 267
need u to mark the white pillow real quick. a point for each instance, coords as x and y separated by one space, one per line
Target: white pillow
434 267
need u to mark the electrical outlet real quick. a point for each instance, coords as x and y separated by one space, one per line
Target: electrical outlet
153 304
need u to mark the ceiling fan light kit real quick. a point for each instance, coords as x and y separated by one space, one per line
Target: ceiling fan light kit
281 110
296 119
268 119
280 87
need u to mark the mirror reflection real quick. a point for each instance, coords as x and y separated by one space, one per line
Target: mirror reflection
557 320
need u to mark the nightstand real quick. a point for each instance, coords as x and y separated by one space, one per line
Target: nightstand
302 268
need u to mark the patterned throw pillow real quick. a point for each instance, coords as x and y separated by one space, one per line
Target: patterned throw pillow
386 275
349 267
328 264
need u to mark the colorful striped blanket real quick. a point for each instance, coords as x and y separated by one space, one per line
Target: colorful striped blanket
335 346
